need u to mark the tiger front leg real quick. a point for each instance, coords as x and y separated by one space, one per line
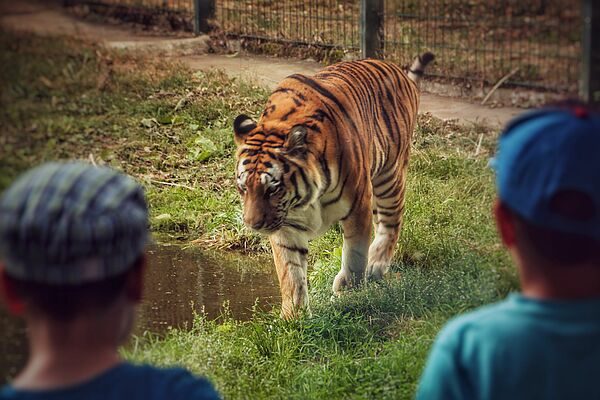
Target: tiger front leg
291 263
357 232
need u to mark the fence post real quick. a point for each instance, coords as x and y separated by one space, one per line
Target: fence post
590 74
203 11
371 28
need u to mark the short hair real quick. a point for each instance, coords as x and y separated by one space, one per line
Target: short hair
66 302
557 247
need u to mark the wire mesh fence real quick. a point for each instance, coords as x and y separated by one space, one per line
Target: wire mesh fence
157 5
328 23
535 44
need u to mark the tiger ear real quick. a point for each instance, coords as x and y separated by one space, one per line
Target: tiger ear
241 126
296 140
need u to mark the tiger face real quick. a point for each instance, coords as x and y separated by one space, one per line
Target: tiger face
263 193
269 181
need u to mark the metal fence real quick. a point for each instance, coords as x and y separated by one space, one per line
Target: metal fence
136 5
327 23
534 43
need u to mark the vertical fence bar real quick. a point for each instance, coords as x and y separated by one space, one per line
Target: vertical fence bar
371 28
203 11
590 74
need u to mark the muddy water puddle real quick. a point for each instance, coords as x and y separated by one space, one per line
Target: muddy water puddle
178 283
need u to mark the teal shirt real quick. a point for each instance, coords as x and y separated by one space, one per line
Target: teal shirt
520 348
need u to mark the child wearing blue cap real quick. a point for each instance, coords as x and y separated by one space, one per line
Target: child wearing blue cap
72 240
542 343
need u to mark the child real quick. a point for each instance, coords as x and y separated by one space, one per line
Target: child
72 240
543 343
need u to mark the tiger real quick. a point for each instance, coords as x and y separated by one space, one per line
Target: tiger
330 148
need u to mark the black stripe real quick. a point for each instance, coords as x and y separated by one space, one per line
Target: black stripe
320 115
386 213
295 226
271 154
249 152
381 184
288 90
279 136
326 172
314 127
356 200
294 183
287 114
293 264
324 92
271 145
393 207
386 195
309 188
337 198
301 250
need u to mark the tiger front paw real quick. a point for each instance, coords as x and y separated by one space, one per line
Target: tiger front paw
343 281
346 280
376 271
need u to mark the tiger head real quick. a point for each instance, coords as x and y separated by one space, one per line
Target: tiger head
272 172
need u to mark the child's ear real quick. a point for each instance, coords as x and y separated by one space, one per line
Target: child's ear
505 222
9 296
135 280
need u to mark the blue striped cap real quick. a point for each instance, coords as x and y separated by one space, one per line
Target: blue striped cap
71 223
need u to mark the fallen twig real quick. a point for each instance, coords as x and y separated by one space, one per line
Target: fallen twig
92 160
499 83
171 184
478 145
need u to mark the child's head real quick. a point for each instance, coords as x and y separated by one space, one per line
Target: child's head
548 181
72 238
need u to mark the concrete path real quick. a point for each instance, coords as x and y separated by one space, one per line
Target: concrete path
47 19
269 71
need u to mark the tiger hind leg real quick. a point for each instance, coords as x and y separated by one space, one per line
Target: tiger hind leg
357 231
387 212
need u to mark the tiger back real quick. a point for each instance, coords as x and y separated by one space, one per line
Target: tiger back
330 148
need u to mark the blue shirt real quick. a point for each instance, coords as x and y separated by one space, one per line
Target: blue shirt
520 348
126 381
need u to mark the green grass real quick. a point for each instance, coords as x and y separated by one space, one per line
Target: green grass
171 128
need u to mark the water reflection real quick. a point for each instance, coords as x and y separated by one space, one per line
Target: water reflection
175 280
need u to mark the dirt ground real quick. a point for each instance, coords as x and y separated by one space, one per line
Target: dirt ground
47 18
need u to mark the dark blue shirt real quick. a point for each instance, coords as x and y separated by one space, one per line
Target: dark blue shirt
126 381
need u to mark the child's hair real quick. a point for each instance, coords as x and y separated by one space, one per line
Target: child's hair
560 247
66 302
